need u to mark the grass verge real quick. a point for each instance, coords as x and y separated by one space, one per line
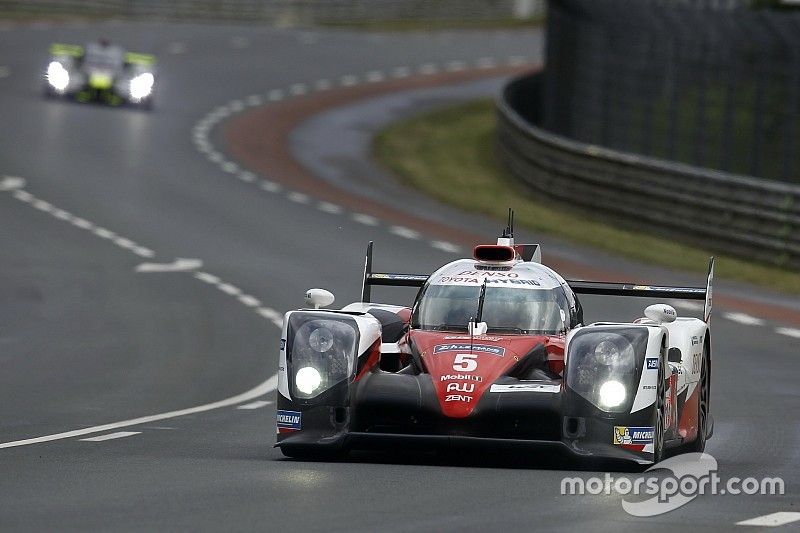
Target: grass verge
449 154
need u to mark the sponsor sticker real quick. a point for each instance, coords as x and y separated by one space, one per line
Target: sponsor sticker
632 435
652 363
526 387
290 420
461 377
476 348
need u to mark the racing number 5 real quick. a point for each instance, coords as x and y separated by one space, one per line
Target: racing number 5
465 362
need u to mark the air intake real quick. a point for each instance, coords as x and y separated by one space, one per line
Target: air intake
494 253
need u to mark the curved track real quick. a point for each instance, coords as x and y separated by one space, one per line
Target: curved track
87 341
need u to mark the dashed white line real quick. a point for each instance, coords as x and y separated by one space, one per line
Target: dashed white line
455 66
249 301
230 167
328 207
5 72
229 289
428 69
771 520
236 106
348 80
687 306
110 436
322 85
742 318
275 94
247 177
259 390
11 183
82 223
516 61
298 197
207 278
401 72
298 89
270 186
367 220
446 246
254 100
375 76
486 62
103 233
789 332
254 405
402 231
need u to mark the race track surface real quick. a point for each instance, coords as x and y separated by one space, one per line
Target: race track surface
145 271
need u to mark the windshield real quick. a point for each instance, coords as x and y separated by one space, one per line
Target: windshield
505 309
106 57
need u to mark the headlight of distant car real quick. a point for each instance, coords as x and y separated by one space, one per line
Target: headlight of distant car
57 76
141 86
602 366
321 354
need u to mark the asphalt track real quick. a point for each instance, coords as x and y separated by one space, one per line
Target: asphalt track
87 341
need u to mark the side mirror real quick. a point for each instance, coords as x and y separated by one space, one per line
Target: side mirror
317 298
661 313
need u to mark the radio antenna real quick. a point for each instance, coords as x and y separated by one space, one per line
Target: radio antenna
508 233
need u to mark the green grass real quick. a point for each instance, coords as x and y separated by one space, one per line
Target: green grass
435 25
449 154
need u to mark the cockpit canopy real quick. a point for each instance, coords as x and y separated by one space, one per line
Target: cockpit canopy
505 310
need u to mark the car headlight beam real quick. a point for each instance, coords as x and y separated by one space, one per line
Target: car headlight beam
611 394
141 86
57 76
307 379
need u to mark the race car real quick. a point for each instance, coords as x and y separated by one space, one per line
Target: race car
494 354
100 72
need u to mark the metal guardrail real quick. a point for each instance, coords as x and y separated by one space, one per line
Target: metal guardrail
285 11
738 215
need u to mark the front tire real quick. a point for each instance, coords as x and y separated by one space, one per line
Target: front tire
658 415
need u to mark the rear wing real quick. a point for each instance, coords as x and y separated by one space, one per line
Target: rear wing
578 286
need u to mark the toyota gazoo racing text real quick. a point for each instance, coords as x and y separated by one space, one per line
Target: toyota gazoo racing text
100 72
494 353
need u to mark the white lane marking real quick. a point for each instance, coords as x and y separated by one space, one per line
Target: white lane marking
486 62
455 66
229 289
176 48
122 242
402 231
246 176
239 42
367 220
322 85
249 301
401 72
348 80
41 205
270 186
82 223
743 318
254 405
516 61
9 183
686 306
789 332
375 76
141 251
207 278
427 69
5 72
298 89
179 265
259 390
275 94
298 197
328 207
254 100
103 233
109 436
446 246
771 520
236 106
230 167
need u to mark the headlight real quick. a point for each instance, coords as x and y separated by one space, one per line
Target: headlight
141 86
611 394
321 352
307 379
57 76
602 365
